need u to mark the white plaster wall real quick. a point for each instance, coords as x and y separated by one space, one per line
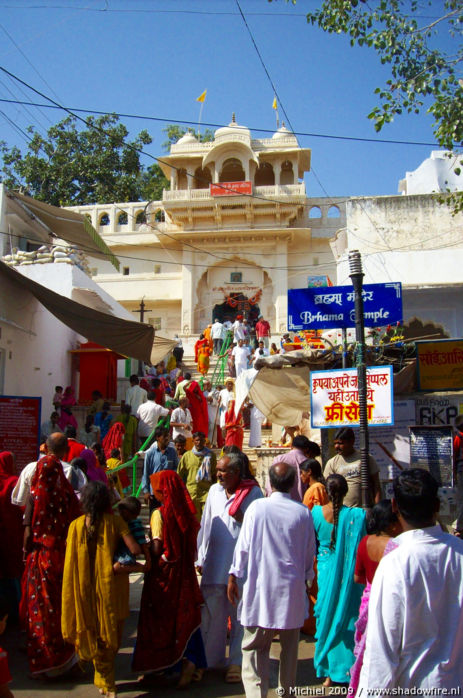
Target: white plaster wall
36 359
435 174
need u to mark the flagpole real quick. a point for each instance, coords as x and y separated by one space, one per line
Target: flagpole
200 116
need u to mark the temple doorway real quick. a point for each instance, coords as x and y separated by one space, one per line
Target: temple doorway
237 304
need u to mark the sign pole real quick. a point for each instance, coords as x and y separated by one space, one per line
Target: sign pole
356 275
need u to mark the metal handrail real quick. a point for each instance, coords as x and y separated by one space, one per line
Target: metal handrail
218 375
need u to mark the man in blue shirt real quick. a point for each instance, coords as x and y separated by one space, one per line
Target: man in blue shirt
159 456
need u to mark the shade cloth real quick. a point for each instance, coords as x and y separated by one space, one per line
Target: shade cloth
61 223
132 339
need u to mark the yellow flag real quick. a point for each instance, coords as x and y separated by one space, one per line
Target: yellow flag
202 97
274 104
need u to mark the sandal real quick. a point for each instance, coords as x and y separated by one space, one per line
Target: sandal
198 675
233 674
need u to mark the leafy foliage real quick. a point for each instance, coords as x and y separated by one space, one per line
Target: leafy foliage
73 167
423 74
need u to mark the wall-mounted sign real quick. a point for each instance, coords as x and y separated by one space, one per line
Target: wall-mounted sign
318 281
431 448
440 364
230 188
317 308
334 397
20 427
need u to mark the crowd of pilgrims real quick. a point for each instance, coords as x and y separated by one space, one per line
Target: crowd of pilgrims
71 536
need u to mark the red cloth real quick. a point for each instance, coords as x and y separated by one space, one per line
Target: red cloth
55 506
114 439
171 599
241 494
365 567
234 432
11 526
74 450
159 395
198 407
5 676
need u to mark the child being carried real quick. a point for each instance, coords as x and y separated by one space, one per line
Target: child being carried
124 562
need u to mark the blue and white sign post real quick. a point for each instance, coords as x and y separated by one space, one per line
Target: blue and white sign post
334 306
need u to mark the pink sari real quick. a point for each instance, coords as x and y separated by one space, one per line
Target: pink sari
360 636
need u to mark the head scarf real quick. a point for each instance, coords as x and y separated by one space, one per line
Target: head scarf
178 514
94 472
113 439
55 504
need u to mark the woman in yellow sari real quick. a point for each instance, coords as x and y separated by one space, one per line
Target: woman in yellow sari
202 353
95 601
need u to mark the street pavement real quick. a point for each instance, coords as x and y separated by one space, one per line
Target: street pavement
212 685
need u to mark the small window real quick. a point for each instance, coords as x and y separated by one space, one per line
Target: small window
104 219
157 268
155 322
122 218
334 212
159 216
125 271
94 271
236 277
141 218
315 212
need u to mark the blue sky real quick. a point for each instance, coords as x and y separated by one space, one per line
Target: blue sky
155 57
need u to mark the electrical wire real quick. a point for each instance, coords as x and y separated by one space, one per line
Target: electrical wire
209 124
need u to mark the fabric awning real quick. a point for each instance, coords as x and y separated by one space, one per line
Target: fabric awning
132 339
61 223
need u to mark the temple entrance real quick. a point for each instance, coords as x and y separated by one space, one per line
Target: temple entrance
238 304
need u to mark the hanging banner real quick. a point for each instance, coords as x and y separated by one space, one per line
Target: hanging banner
334 397
317 308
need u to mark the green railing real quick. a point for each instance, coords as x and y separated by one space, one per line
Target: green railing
163 422
218 376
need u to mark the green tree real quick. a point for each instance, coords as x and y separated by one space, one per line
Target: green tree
424 74
174 132
72 167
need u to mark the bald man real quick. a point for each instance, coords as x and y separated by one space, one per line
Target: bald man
275 553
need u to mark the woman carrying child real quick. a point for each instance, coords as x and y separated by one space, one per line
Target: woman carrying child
95 600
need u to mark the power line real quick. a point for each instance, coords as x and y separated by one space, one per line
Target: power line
186 122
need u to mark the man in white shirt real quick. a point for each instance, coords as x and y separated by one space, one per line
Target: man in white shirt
181 421
415 624
225 395
135 396
220 527
240 355
148 414
239 330
212 397
217 336
260 352
276 548
22 488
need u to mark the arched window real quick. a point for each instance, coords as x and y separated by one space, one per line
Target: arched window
122 218
104 219
140 218
287 174
265 176
202 178
232 171
315 212
334 212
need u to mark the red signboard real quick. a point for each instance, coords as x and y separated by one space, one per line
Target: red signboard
230 188
20 428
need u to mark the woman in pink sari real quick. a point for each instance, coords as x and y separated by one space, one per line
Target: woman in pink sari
382 526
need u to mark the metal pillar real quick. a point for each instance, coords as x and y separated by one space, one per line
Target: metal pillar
356 275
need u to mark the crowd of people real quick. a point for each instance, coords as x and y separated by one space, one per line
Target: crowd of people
224 561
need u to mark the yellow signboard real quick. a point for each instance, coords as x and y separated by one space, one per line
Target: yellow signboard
440 364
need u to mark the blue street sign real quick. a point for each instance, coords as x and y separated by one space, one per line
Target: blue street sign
333 306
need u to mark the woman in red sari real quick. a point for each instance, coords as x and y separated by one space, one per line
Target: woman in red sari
234 426
11 534
197 405
170 613
49 511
